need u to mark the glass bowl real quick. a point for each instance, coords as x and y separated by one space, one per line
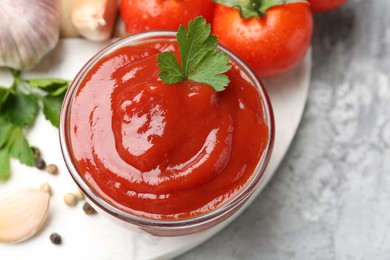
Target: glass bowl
164 227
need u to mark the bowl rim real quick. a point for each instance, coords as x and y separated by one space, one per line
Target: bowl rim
220 211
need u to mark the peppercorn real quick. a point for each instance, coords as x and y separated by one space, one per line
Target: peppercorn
79 195
52 169
88 209
70 199
40 163
46 188
55 238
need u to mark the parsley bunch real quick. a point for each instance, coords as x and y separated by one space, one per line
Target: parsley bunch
19 107
200 59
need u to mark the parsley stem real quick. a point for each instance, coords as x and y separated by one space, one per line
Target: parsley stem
15 73
17 80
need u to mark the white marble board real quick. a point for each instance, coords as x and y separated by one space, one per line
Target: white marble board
95 237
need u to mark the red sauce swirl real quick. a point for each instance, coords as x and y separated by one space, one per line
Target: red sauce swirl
164 151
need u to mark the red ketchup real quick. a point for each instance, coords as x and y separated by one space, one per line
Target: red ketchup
164 151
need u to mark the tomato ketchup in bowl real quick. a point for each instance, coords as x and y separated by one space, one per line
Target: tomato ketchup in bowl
171 159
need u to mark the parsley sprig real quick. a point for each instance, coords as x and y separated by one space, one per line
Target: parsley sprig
19 106
200 59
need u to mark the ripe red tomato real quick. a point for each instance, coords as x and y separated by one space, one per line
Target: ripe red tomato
270 45
145 15
325 5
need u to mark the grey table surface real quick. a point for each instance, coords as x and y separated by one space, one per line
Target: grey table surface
330 198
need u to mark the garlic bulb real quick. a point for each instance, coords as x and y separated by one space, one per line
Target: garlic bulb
94 19
28 31
22 213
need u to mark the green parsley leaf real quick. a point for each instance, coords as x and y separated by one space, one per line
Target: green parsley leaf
19 106
20 109
48 84
52 108
6 129
59 91
13 143
196 44
53 86
19 147
211 71
4 92
200 59
5 164
172 72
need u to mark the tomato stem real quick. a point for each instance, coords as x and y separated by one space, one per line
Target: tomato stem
255 8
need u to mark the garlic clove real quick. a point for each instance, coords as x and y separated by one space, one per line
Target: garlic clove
67 29
94 19
22 213
29 30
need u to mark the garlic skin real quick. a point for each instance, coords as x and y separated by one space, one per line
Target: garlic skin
94 19
29 30
22 213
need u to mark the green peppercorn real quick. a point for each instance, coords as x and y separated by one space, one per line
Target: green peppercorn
55 238
40 164
88 209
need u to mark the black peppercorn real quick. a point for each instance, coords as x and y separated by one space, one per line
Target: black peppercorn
40 164
88 209
55 238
